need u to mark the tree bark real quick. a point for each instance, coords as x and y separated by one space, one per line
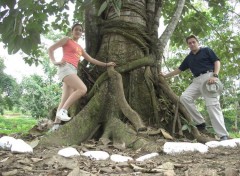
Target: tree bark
124 100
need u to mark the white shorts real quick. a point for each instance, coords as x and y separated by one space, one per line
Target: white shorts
65 70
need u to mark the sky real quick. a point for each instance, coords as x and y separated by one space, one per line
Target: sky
15 65
17 68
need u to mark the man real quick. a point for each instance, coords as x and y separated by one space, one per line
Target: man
205 66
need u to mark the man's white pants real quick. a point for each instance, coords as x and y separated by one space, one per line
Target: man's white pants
213 106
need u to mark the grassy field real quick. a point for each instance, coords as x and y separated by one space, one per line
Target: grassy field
15 123
11 123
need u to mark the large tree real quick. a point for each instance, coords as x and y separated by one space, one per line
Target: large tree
123 101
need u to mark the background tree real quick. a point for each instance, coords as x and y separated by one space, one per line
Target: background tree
39 96
9 90
35 95
122 101
223 37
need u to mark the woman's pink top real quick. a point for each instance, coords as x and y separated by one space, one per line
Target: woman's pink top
72 52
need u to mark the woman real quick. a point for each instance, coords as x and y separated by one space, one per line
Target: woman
73 86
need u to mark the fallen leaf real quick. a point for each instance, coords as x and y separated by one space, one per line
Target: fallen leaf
34 143
2 161
13 172
35 160
166 134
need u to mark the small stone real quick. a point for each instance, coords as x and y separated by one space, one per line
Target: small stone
169 173
231 172
9 173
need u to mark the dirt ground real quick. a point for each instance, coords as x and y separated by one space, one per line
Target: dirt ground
46 162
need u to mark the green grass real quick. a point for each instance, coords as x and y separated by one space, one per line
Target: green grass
234 134
16 124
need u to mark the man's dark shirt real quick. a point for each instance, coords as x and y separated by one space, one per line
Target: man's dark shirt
199 63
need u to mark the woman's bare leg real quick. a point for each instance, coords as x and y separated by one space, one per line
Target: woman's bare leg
66 92
73 89
73 82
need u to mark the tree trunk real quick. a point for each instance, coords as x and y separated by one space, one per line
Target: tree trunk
124 100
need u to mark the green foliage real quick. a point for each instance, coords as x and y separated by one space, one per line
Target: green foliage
38 96
22 22
187 126
202 19
80 7
54 35
230 116
49 69
9 90
35 95
178 83
234 134
20 124
217 26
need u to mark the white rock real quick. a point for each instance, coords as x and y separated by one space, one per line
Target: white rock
148 156
228 143
6 142
68 152
120 158
176 147
200 147
213 144
236 140
179 147
97 155
19 146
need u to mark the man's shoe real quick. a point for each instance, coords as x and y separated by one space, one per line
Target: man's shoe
201 127
223 138
62 115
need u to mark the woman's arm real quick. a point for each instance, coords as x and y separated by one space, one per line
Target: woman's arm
96 62
52 48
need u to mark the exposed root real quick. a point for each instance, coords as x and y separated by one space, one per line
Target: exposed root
174 98
124 135
80 128
145 61
179 126
149 83
175 118
132 115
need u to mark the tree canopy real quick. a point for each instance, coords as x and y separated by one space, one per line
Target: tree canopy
22 22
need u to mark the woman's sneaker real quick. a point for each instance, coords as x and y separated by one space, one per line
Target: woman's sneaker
62 115
54 128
